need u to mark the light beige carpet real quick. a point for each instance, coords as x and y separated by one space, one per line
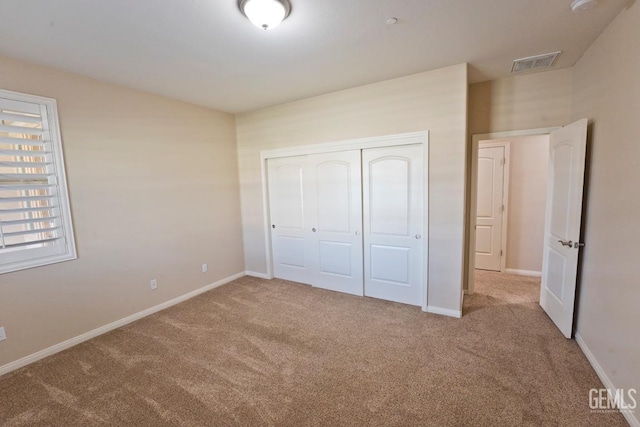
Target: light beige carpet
260 353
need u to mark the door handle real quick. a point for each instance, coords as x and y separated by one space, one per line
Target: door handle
565 243
578 245
418 236
313 229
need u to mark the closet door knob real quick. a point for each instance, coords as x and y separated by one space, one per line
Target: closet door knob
313 229
357 233
418 236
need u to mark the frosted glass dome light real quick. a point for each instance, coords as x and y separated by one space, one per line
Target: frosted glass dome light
265 14
581 5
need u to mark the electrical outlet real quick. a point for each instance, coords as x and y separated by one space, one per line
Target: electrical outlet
204 268
153 284
3 335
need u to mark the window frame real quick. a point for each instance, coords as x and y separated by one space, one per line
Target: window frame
41 258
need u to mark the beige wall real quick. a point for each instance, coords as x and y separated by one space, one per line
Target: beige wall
526 101
529 160
607 91
528 165
154 194
435 101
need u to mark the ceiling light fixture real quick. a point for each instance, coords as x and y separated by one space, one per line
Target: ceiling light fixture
265 14
580 5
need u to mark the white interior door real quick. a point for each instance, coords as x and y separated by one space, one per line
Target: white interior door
290 231
393 193
490 208
334 202
567 148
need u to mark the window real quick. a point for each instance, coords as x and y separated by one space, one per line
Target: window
35 220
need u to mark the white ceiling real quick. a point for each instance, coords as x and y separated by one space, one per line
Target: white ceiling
206 52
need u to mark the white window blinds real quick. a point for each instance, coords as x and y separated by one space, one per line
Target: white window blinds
35 222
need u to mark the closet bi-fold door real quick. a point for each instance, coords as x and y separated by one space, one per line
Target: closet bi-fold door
290 233
393 196
335 216
316 211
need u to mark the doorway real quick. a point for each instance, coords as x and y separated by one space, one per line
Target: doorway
561 221
508 194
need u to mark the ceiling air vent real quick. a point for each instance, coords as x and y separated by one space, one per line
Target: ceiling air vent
535 62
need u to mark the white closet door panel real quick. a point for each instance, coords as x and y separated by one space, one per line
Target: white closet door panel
389 196
334 191
393 183
288 196
335 205
290 240
336 259
391 264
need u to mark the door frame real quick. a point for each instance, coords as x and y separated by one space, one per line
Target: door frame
473 198
505 196
353 144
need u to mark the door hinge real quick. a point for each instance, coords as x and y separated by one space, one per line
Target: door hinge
502 207
501 252
504 161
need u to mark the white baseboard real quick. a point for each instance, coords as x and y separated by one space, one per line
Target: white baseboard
258 275
523 272
444 311
12 366
630 417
